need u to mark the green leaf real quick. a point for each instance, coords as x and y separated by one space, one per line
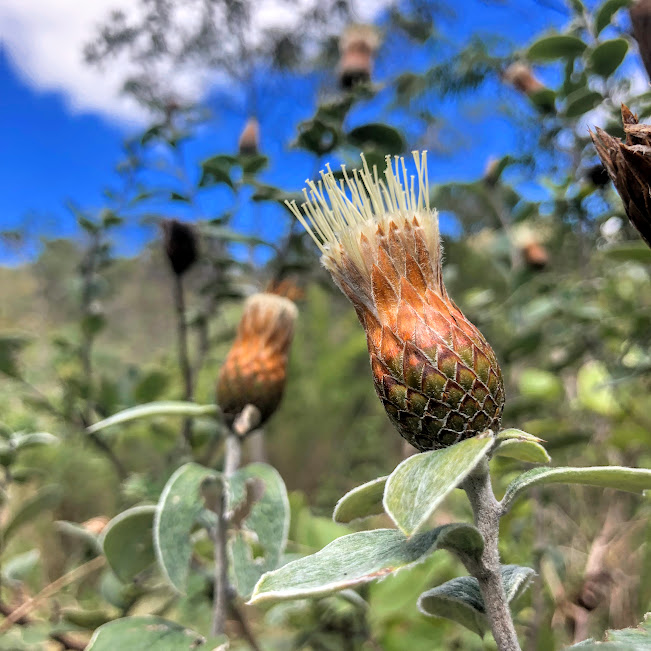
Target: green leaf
88 619
359 558
540 385
379 137
154 409
253 164
627 639
75 530
361 502
636 251
260 490
513 433
217 170
608 56
175 196
179 507
23 441
127 542
606 12
420 483
594 389
146 633
581 101
460 599
527 451
17 569
557 46
544 99
46 498
11 345
633 480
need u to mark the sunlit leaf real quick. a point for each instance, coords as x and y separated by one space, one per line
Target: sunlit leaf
527 451
557 46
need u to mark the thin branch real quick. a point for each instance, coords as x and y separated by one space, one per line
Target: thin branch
184 355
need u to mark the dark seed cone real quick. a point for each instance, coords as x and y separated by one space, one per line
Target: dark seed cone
640 14
436 375
255 369
629 167
180 245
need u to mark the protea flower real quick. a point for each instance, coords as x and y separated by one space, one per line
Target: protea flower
250 138
629 167
256 366
433 370
180 245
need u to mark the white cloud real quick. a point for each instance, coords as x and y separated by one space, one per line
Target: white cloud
45 38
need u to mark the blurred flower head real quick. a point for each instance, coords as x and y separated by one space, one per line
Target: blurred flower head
629 166
180 245
434 372
255 369
357 47
249 142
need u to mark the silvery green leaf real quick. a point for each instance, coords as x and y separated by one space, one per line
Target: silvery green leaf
145 633
179 506
627 639
420 483
634 480
22 441
153 409
518 435
460 599
359 558
361 502
527 451
127 542
265 525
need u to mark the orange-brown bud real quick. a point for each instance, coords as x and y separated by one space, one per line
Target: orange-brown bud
535 255
95 525
255 369
357 45
434 372
522 78
629 167
250 138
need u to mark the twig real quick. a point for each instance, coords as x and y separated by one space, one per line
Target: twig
246 629
26 607
184 356
66 640
487 569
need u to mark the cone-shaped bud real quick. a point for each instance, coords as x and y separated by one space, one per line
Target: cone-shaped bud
433 370
250 138
357 46
255 369
640 14
180 245
522 78
629 166
535 255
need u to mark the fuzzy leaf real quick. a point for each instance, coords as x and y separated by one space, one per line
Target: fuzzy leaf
362 502
634 480
145 633
527 451
127 542
460 599
266 525
518 435
420 483
153 409
359 558
179 507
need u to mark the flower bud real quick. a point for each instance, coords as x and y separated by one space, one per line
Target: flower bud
535 255
522 78
255 369
357 46
629 167
436 375
250 138
180 245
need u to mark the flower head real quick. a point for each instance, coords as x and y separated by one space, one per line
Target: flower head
255 369
433 370
180 245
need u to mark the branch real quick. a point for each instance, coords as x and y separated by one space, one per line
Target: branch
184 355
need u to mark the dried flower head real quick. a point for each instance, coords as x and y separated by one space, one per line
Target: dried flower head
255 369
629 166
250 138
180 245
357 46
433 370
520 76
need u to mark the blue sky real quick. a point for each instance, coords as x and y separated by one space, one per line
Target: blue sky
62 134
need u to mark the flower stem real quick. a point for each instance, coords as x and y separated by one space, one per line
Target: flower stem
487 568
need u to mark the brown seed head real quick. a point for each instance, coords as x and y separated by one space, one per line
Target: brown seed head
180 245
629 167
255 369
434 372
250 138
357 45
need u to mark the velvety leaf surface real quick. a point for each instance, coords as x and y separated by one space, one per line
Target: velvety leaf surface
362 502
420 483
527 451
